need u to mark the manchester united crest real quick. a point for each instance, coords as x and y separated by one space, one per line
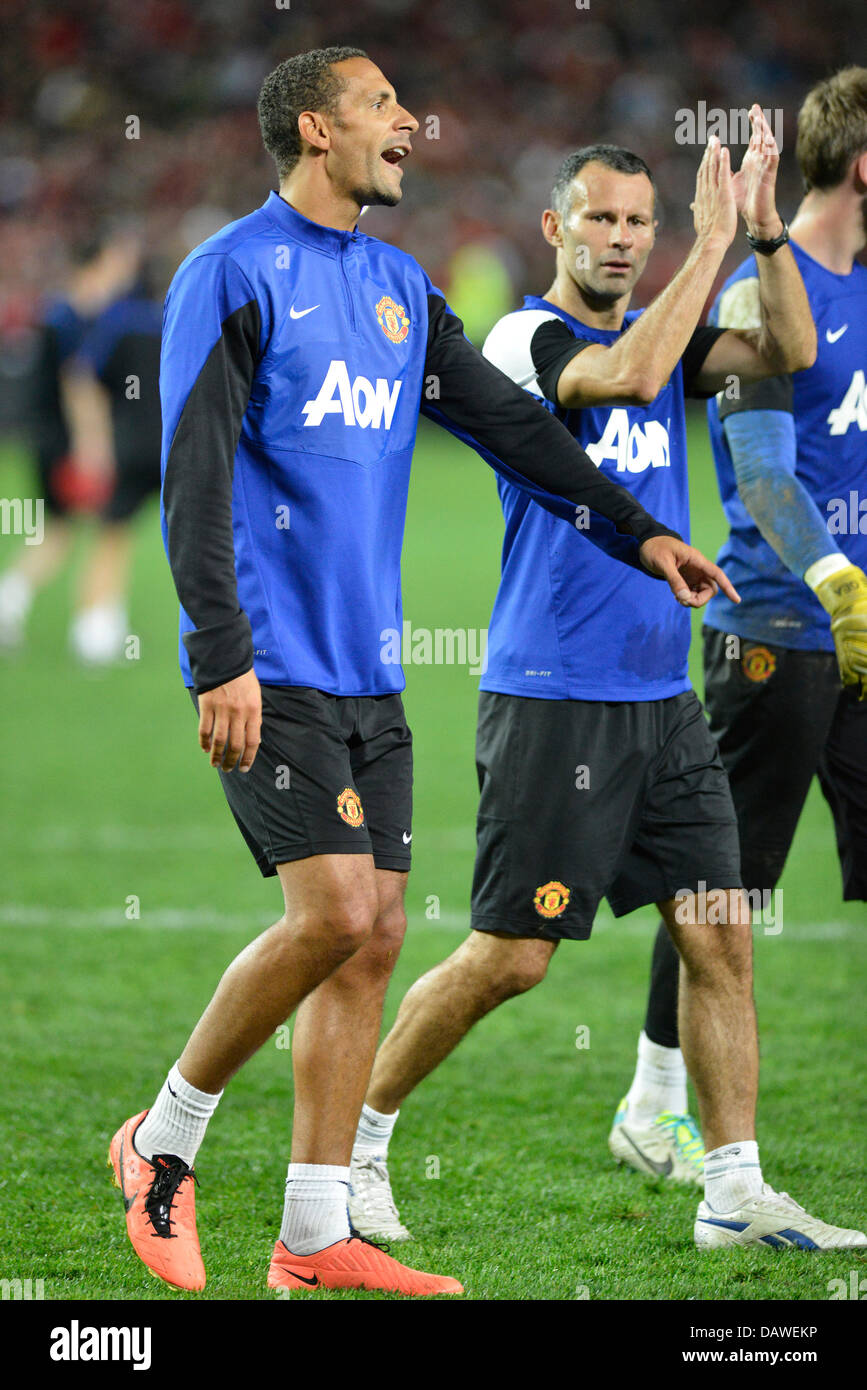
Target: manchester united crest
758 663
349 807
551 899
392 319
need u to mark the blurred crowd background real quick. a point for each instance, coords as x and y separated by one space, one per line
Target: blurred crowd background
514 84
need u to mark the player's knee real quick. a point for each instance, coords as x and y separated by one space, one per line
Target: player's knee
522 965
720 954
349 926
340 929
387 938
391 929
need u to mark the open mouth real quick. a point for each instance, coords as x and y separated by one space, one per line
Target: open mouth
395 153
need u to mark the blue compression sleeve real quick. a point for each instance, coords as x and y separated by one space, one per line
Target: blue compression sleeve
764 450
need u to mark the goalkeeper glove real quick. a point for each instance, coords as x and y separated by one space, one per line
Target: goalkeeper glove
844 595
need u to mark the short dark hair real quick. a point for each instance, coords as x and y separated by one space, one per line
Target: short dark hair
612 156
303 83
832 128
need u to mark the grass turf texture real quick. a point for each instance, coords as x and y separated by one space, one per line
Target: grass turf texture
106 795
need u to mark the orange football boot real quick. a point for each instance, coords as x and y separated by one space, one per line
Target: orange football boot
160 1203
354 1263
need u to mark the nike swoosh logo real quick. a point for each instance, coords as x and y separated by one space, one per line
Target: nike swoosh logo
299 313
832 337
406 838
127 1201
663 1169
294 1272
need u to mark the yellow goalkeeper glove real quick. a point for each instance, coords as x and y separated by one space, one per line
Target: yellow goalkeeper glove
844 595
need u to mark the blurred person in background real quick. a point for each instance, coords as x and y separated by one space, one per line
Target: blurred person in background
479 287
116 376
69 427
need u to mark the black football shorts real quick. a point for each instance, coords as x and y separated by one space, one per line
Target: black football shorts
781 718
333 775
136 479
585 799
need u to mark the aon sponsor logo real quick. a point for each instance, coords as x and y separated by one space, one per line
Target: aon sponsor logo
632 448
852 410
361 402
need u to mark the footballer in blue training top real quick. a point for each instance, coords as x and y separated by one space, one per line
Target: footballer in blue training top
296 355
598 775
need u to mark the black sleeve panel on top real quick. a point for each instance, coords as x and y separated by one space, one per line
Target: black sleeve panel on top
197 494
479 401
551 348
693 359
772 393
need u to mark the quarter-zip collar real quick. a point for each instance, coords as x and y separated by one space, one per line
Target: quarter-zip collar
313 234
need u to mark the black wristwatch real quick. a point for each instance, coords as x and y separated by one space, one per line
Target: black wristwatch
767 248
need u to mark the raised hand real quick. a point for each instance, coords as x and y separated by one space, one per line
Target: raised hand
714 211
755 182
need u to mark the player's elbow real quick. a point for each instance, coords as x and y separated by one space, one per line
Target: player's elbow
800 358
642 389
797 356
809 353
615 382
638 387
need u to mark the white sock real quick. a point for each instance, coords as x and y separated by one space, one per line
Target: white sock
659 1083
177 1122
16 593
16 598
732 1174
374 1132
315 1212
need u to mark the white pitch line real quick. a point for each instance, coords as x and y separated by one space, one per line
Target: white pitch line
179 919
28 915
68 839
110 839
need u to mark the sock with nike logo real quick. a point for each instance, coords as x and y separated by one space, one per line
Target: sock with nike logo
732 1175
374 1133
315 1212
177 1121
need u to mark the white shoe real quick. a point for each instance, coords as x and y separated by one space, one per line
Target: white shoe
371 1204
774 1219
670 1147
98 634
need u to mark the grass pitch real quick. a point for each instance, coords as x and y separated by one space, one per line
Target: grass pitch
499 1161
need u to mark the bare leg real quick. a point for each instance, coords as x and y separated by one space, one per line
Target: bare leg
331 906
105 578
38 564
336 1032
441 1008
717 1017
